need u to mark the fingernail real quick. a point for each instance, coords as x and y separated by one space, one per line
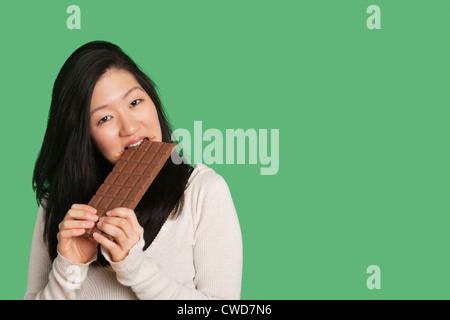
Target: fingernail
108 213
93 210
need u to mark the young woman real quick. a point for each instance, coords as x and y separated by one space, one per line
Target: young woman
183 240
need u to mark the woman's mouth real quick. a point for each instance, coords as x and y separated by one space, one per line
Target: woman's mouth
136 144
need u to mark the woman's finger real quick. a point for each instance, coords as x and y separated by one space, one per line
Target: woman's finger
117 233
121 223
75 224
85 207
116 252
127 214
108 244
80 214
70 233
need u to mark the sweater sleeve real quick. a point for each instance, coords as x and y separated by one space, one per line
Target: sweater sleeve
217 256
50 281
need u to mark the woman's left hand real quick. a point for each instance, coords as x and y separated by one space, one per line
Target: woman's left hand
122 225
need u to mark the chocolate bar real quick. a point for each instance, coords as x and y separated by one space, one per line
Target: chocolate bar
130 178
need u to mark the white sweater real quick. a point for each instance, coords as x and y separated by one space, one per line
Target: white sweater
196 256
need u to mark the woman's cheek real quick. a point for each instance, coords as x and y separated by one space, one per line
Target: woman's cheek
101 142
116 157
111 150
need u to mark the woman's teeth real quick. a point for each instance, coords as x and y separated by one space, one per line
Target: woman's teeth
136 144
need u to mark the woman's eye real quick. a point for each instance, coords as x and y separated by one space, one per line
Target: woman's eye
106 118
135 102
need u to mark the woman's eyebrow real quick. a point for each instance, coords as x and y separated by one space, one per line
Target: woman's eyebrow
131 90
124 96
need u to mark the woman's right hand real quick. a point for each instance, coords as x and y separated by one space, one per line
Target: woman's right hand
71 244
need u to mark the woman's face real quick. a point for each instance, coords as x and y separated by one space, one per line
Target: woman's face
122 114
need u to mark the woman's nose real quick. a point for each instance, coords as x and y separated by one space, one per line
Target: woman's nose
129 125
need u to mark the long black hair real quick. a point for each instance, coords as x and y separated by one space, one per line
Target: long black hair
69 168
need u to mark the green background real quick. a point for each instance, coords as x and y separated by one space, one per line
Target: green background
363 117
